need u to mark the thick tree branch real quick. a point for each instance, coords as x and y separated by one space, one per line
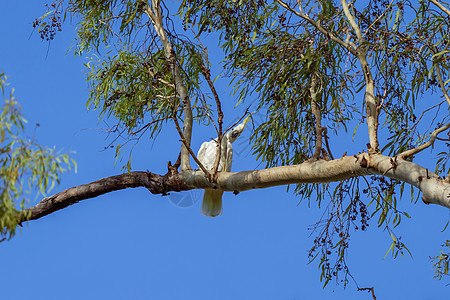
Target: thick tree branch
435 190
154 13
154 183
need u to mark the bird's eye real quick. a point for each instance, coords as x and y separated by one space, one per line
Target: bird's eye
234 134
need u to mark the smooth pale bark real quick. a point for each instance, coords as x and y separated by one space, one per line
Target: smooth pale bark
154 13
434 189
371 101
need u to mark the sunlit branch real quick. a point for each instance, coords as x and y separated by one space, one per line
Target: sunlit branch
441 83
153 182
371 103
434 189
441 6
154 13
422 147
351 19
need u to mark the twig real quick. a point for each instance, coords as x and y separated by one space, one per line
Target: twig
183 140
238 121
379 17
147 125
325 131
371 289
421 116
441 83
206 72
328 34
441 7
152 74
422 147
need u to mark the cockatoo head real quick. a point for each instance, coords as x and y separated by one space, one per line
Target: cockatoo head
234 133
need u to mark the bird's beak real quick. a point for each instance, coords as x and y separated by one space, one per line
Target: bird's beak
247 119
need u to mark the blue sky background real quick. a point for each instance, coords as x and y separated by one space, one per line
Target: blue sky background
134 245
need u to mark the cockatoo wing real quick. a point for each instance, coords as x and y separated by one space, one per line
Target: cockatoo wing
201 152
229 157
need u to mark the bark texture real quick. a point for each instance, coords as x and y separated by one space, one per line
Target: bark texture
434 189
153 182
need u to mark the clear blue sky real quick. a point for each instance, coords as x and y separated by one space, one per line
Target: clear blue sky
135 245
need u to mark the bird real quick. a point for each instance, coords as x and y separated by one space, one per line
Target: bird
212 199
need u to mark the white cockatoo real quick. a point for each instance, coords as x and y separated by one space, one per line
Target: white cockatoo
212 199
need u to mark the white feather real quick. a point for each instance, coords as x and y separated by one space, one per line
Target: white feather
212 199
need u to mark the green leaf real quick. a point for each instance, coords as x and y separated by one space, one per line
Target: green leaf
439 54
391 248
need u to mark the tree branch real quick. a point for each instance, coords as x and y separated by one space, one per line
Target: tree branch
379 17
371 102
424 146
207 74
319 27
351 19
316 112
361 53
435 190
442 7
152 74
325 135
184 142
154 183
154 13
441 83
369 289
